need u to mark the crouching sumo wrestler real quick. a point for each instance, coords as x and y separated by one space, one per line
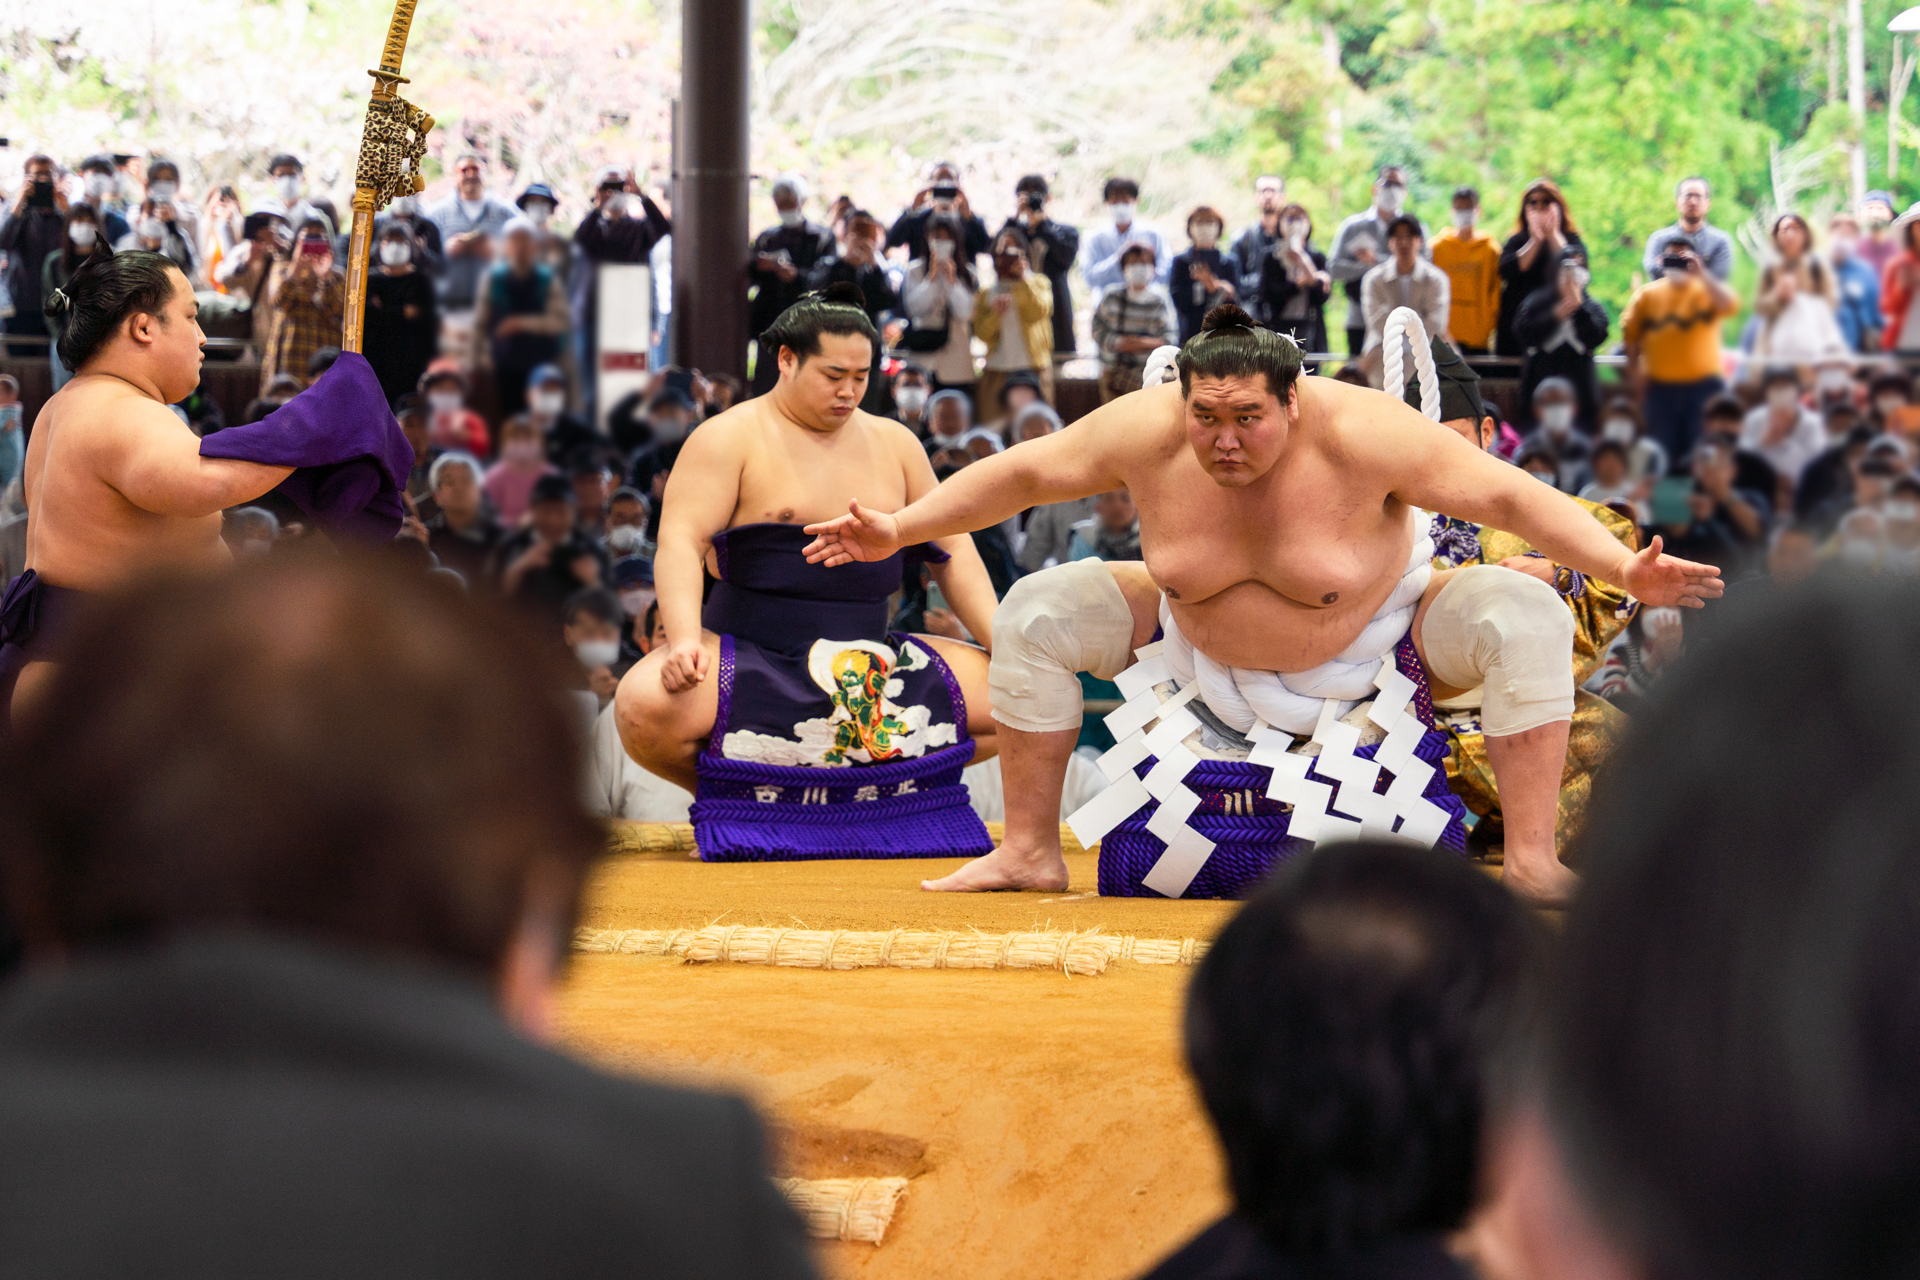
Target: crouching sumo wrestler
1286 556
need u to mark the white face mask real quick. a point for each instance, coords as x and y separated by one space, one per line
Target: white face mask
1556 418
1902 512
98 185
444 401
288 187
83 234
940 250
911 399
790 217
395 253
597 653
538 211
1392 196
547 404
625 540
1619 429
1545 477
1122 213
1887 404
1139 275
1206 234
163 191
152 229
1465 218
1840 248
1294 229
1834 382
637 601
1784 398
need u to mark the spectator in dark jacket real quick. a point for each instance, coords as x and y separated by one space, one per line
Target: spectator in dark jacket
431 260
1051 249
783 257
1205 275
1559 328
36 225
942 195
1294 284
287 995
1531 256
403 314
623 227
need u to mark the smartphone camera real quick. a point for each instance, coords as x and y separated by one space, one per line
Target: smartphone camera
1034 201
1674 262
946 192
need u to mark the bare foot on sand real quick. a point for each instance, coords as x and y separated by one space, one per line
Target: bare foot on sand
1541 880
1006 868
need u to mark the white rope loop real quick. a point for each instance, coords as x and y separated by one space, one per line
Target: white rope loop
1404 323
1161 367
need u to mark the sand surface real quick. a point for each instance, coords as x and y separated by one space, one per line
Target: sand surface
1047 1122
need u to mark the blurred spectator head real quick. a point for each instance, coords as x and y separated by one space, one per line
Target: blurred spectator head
1723 418
1843 231
1876 210
217 708
1874 475
1137 265
321 360
250 531
1204 227
1010 252
1352 374
1270 191
1034 421
1540 462
267 230
946 461
537 202
1122 198
470 175
83 228
1693 197
1404 238
652 633
1890 391
626 509
591 627
724 393
1466 208
1020 389
551 508
946 239
1554 403
1115 511
981 443
633 581
1353 1031
910 391
163 179
1390 190
410 411
547 392
949 414
397 245
865 238
789 194
1842 420
289 177
1792 237
1781 386
520 245
1296 224
941 174
1793 553
149 232
522 444
1609 463
1729 1074
670 414
454 480
592 483
1543 198
96 173
444 385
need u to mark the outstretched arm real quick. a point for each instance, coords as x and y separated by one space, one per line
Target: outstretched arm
963 578
701 493
156 465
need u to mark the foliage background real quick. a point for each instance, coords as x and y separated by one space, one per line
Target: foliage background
1614 99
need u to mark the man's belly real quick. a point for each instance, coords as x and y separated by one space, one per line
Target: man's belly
1253 626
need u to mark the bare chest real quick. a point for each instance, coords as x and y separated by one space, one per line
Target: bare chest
790 478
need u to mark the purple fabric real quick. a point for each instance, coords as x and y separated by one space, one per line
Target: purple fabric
350 460
32 611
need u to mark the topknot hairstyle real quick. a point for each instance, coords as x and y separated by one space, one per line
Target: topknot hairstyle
1231 345
103 292
840 308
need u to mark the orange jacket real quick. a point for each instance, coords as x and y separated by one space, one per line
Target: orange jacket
1895 297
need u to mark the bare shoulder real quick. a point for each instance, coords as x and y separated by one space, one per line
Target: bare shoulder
108 414
1363 423
888 432
1150 420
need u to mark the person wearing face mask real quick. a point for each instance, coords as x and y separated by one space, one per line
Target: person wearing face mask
1295 283
1877 246
1890 407
1742 514
1795 303
1100 252
163 193
523 460
1858 312
429 258
1204 276
537 205
1620 421
938 295
1555 408
1782 429
1360 245
100 183
910 393
1530 260
1559 328
403 315
782 257
1130 322
35 226
244 271
1404 279
471 221
1472 263
625 536
591 629
1672 334
941 197
859 264
450 423
157 233
463 530
622 227
1258 240
564 433
289 179
1051 249
82 242
306 303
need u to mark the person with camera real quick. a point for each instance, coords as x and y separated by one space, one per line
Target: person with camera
777 271
1531 258
622 227
1559 327
306 301
36 226
1714 247
1672 335
938 295
940 198
1051 248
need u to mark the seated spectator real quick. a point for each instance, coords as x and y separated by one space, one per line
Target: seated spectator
1858 312
1353 1033
519 316
1672 336
1743 514
593 483
463 531
562 432
1130 322
410 411
670 417
1539 461
100 181
523 460
1559 327
1620 421
1613 479
1829 477
1530 259
592 634
402 334
1783 430
1472 262
292 987
250 531
541 566
910 391
939 295
1112 532
305 304
625 532
1645 650
450 423
1204 276
1900 528
156 232
1404 279
723 392
1020 392
1796 299
1555 408
1689 1130
1294 283
633 584
1047 537
1890 406
1102 255
1014 318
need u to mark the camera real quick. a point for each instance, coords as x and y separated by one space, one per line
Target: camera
945 191
1675 262
1034 200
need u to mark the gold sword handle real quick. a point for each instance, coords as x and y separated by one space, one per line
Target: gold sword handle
396 46
391 145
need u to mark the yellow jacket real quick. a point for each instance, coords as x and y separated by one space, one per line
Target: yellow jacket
1472 262
1033 302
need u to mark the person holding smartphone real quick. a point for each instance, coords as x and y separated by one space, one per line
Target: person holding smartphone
36 225
1051 248
943 197
306 304
1672 335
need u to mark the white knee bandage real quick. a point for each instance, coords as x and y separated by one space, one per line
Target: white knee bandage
1053 625
1508 635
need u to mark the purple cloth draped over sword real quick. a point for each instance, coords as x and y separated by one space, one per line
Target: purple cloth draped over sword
349 457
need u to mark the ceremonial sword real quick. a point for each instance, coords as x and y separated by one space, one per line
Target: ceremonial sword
391 146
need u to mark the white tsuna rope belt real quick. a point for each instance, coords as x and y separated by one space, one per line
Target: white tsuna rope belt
1269 707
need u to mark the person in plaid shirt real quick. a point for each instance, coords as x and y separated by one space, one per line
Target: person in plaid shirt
306 306
1130 321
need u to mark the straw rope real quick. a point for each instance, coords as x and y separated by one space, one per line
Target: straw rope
845 1208
1082 954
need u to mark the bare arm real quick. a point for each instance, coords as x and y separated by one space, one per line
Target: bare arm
701 493
156 465
963 578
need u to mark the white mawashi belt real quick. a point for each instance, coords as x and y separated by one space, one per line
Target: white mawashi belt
1270 707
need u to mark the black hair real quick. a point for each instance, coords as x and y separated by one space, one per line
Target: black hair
647 622
1406 222
103 293
161 162
321 360
552 488
1031 182
1609 446
1730 1064
1779 373
285 159
1231 345
840 308
1723 406
1351 1031
1125 188
92 164
595 602
1466 193
1889 380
